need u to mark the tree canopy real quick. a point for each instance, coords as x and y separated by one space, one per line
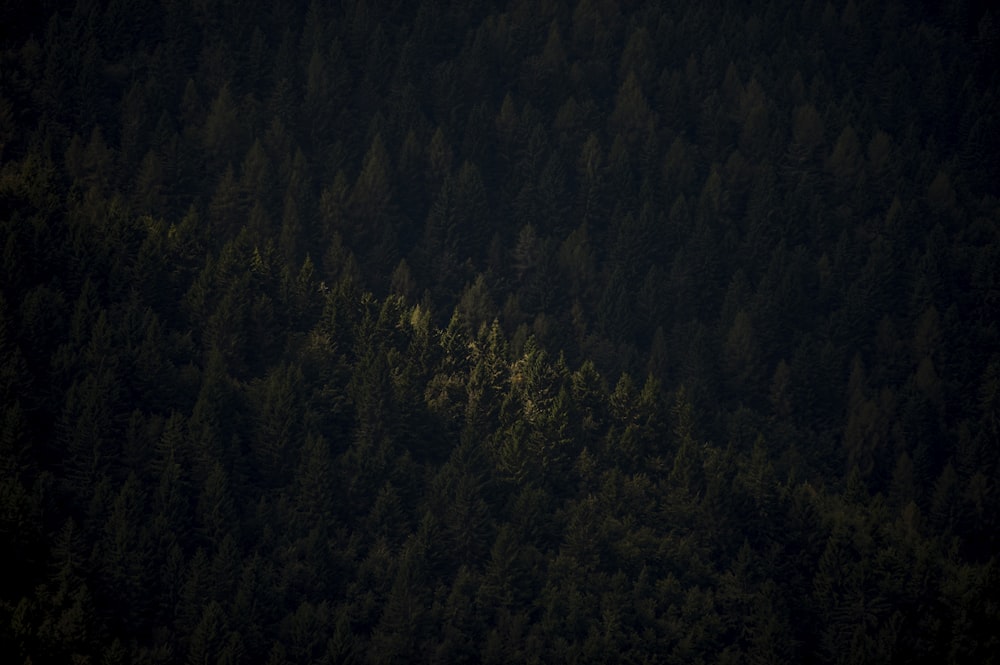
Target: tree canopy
499 332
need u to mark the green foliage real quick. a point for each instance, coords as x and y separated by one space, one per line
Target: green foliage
498 332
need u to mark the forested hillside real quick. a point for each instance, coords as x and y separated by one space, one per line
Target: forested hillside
468 331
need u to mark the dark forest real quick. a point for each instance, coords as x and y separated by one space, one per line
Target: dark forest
569 331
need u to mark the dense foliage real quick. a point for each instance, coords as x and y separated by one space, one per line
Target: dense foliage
460 331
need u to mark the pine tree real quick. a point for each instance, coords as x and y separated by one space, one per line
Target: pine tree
216 512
